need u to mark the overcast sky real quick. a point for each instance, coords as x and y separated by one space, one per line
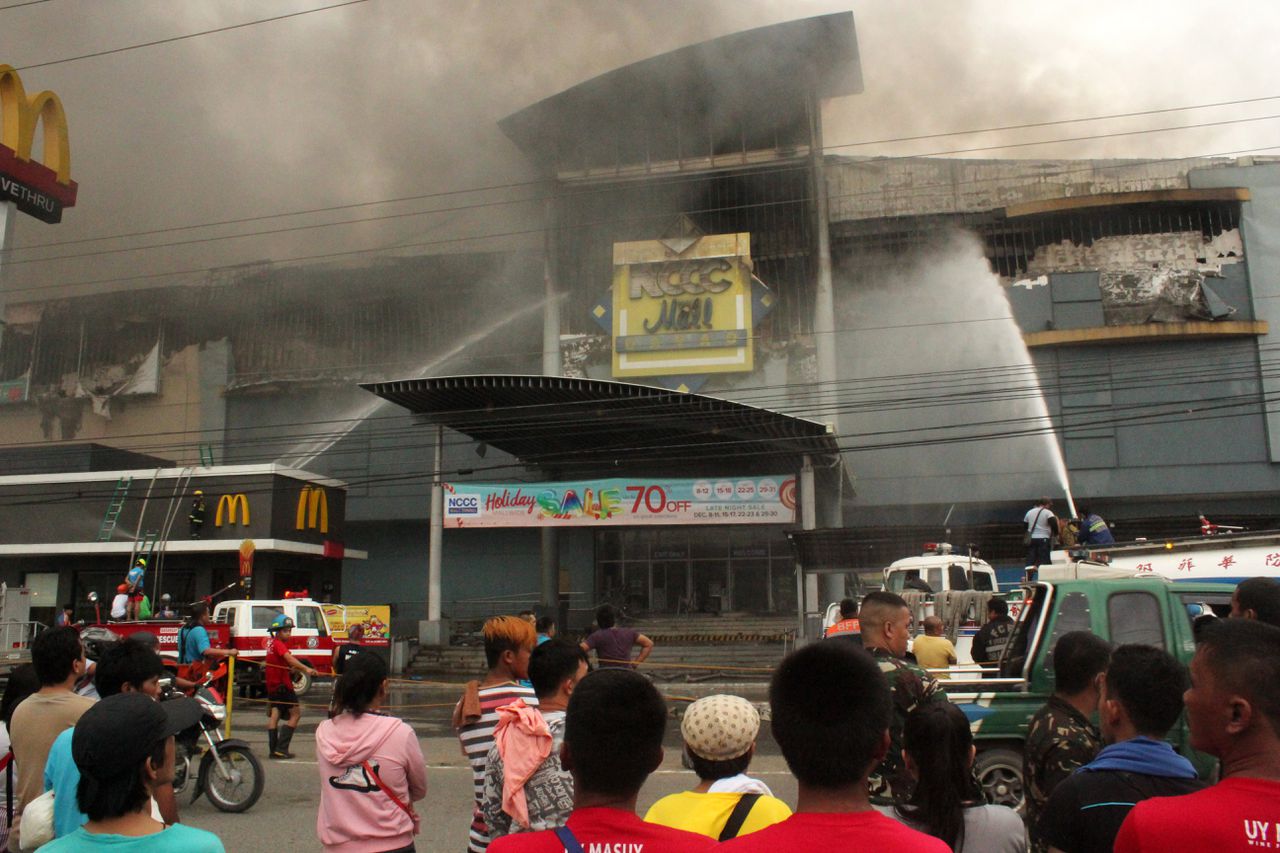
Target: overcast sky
394 98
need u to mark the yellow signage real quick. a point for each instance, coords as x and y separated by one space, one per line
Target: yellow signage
20 116
682 306
368 623
313 509
228 504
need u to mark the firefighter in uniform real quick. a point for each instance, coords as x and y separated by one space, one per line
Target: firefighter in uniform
196 517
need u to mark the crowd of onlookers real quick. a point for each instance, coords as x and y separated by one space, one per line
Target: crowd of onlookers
93 773
881 757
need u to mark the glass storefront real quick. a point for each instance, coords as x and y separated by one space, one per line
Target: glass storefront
696 569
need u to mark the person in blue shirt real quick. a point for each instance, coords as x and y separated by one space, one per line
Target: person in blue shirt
546 628
128 667
1093 529
193 638
123 747
135 581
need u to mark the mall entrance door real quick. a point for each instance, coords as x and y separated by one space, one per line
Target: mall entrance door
672 570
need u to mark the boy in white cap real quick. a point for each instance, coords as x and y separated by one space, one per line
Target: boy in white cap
719 740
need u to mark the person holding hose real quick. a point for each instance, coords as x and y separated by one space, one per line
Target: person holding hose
281 698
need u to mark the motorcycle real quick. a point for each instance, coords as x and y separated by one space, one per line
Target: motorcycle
228 772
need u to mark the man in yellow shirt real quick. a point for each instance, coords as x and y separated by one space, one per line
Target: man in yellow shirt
719 739
932 650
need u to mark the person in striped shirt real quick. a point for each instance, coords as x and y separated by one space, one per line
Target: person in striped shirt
508 642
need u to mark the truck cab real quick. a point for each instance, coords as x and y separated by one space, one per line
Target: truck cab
311 642
939 570
1146 610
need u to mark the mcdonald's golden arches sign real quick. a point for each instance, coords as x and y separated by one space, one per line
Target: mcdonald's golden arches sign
41 188
313 509
228 504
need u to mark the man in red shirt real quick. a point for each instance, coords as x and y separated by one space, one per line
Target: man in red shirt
281 699
1233 713
612 742
831 711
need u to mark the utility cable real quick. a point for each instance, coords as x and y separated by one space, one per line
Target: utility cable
173 39
569 197
660 180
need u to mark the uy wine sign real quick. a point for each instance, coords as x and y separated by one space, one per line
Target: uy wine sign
622 502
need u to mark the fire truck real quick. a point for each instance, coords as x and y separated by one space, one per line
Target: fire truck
312 642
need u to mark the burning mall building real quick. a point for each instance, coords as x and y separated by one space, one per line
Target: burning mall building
728 332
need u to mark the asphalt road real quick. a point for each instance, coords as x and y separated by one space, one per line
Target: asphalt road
285 818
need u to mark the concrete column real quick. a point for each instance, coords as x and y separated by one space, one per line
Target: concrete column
829 511
434 631
551 366
824 311
550 295
807 592
550 569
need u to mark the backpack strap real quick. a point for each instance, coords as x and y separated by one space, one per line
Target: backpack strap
738 817
1032 527
568 839
382 786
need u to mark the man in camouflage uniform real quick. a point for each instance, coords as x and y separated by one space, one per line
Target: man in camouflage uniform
1060 737
885 619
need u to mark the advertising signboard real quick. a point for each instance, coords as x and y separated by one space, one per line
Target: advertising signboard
682 306
374 621
622 502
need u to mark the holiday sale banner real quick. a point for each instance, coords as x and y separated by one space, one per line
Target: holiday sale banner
622 502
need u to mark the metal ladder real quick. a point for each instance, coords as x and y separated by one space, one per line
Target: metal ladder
144 547
114 508
172 512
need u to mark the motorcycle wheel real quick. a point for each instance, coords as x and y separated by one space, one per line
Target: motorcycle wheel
243 789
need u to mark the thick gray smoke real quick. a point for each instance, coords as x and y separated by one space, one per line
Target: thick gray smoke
396 98
381 100
928 349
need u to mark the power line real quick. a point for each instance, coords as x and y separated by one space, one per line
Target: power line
172 39
20 5
664 179
1163 410
542 230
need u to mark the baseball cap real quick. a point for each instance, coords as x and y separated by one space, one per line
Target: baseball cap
114 736
720 727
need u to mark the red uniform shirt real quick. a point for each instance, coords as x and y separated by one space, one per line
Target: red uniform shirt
606 829
808 831
277 668
1235 814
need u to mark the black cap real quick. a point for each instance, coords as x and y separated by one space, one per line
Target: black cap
116 735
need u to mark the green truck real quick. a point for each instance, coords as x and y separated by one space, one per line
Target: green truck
1000 704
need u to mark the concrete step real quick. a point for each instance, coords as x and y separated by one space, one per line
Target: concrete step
669 662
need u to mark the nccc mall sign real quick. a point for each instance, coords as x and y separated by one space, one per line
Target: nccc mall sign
620 502
683 308
41 189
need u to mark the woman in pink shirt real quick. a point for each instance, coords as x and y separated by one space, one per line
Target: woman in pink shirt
371 767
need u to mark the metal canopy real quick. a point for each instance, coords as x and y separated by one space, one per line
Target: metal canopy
594 427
